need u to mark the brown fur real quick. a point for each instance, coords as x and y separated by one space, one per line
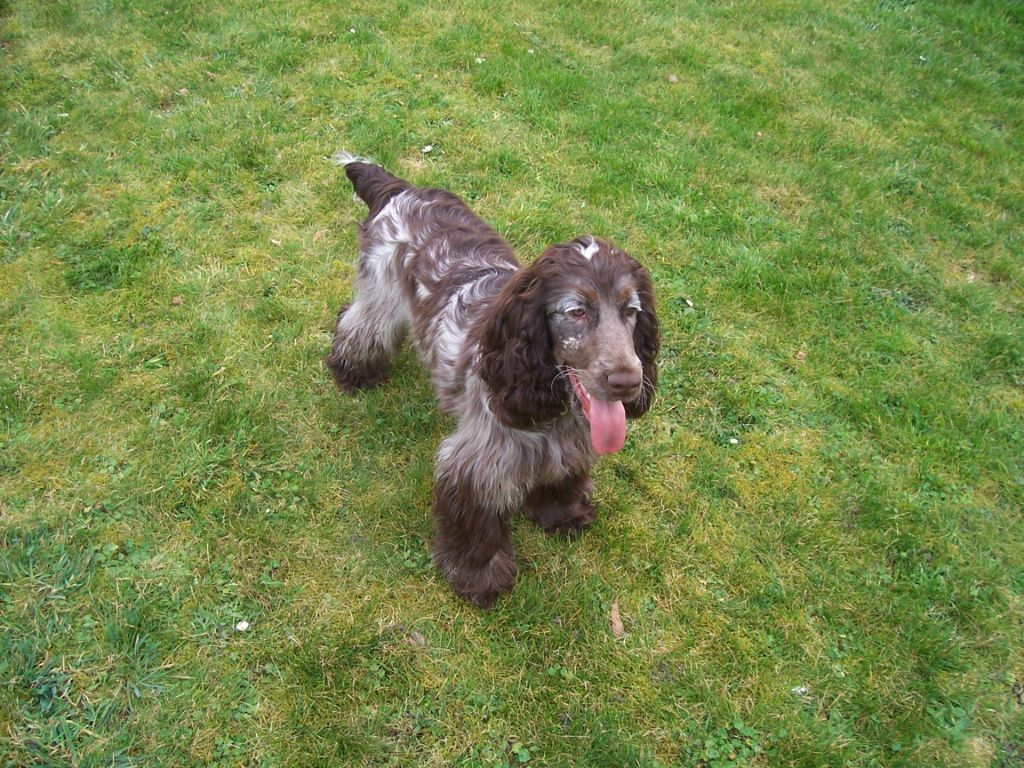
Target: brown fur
499 340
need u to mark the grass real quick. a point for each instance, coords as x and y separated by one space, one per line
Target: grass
815 540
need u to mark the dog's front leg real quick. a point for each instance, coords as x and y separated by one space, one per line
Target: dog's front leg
564 506
472 548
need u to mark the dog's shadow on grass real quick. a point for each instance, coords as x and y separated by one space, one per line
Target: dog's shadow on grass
397 417
385 443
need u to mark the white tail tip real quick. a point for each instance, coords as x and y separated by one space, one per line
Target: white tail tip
344 158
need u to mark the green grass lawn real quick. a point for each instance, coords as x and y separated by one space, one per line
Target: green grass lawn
815 540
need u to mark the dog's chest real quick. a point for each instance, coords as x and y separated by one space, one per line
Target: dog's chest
567 451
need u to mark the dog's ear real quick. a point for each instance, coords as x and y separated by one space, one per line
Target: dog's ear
517 361
645 342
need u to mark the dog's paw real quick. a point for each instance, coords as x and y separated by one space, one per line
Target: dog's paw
350 378
559 518
483 585
575 519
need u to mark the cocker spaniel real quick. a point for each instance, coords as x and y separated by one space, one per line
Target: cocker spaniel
540 364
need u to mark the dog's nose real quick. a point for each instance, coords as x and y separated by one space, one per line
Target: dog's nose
624 382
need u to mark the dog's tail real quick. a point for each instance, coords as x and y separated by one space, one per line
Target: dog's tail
373 184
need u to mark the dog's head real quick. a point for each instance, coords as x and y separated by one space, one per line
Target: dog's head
578 329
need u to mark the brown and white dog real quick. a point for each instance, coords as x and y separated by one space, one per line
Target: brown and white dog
540 364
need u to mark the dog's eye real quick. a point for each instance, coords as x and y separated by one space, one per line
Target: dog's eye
630 311
576 313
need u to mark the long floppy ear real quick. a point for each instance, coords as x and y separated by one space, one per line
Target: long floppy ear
645 342
516 358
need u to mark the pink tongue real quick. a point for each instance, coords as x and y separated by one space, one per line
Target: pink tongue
607 426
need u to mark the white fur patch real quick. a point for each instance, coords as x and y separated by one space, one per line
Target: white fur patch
342 157
450 332
587 252
385 233
573 343
389 225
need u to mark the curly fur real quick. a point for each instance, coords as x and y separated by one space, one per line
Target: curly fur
502 343
517 361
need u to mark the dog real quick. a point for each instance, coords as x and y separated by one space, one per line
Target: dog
541 365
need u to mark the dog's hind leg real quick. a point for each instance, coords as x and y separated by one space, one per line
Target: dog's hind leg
369 331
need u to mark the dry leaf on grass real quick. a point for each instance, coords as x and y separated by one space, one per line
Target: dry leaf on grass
615 620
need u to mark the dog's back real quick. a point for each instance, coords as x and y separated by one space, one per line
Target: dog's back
426 262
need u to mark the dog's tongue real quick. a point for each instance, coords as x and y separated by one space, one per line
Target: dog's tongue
607 419
607 426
